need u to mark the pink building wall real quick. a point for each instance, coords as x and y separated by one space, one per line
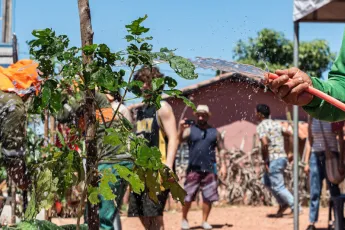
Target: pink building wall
233 109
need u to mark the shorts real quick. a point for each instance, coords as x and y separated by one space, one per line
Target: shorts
206 181
142 205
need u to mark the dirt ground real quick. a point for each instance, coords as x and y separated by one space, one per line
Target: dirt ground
235 218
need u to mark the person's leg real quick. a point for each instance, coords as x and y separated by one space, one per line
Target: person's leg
333 188
157 223
152 222
206 209
209 187
276 176
107 208
151 213
315 180
117 221
145 221
268 184
191 186
185 209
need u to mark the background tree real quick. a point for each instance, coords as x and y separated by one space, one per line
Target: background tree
272 49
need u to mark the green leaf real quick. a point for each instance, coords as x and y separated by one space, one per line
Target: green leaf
32 209
122 73
145 47
165 50
68 170
34 225
103 49
113 139
93 195
183 67
55 101
104 187
46 188
46 94
157 83
177 192
149 157
90 49
135 87
126 123
129 38
42 194
132 178
188 102
171 82
139 40
135 27
105 78
178 94
61 138
42 33
152 184
173 92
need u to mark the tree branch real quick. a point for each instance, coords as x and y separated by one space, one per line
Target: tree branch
122 98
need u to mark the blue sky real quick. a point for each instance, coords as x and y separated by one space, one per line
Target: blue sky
196 28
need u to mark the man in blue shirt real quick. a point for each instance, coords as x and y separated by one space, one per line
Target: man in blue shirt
202 140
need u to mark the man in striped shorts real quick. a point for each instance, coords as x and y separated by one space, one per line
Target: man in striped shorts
203 140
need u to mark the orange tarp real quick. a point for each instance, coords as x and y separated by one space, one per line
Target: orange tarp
19 76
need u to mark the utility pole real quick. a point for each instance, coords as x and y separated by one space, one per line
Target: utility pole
6 21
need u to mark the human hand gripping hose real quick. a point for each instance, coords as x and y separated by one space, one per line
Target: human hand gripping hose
317 93
218 64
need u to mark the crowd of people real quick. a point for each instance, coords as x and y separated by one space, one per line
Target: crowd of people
158 127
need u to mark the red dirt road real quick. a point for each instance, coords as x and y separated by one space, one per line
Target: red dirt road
235 218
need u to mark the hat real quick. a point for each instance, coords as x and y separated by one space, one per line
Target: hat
202 109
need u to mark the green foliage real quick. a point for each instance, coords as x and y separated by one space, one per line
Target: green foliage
93 194
42 225
149 158
152 182
131 177
63 92
176 190
104 188
272 50
136 29
42 194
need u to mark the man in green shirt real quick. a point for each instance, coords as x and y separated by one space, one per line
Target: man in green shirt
293 92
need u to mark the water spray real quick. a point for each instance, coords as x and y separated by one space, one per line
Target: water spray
258 74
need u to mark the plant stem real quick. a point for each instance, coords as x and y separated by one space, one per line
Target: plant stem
122 98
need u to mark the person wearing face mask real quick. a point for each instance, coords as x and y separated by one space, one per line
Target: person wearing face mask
203 140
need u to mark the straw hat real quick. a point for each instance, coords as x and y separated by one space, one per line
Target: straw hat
203 109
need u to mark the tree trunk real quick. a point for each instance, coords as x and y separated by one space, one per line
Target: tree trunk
52 130
14 202
90 117
46 127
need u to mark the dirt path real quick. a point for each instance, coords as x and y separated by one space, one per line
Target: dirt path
233 218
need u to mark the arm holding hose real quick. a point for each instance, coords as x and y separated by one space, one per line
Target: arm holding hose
293 92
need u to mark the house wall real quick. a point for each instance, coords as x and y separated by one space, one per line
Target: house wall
233 109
